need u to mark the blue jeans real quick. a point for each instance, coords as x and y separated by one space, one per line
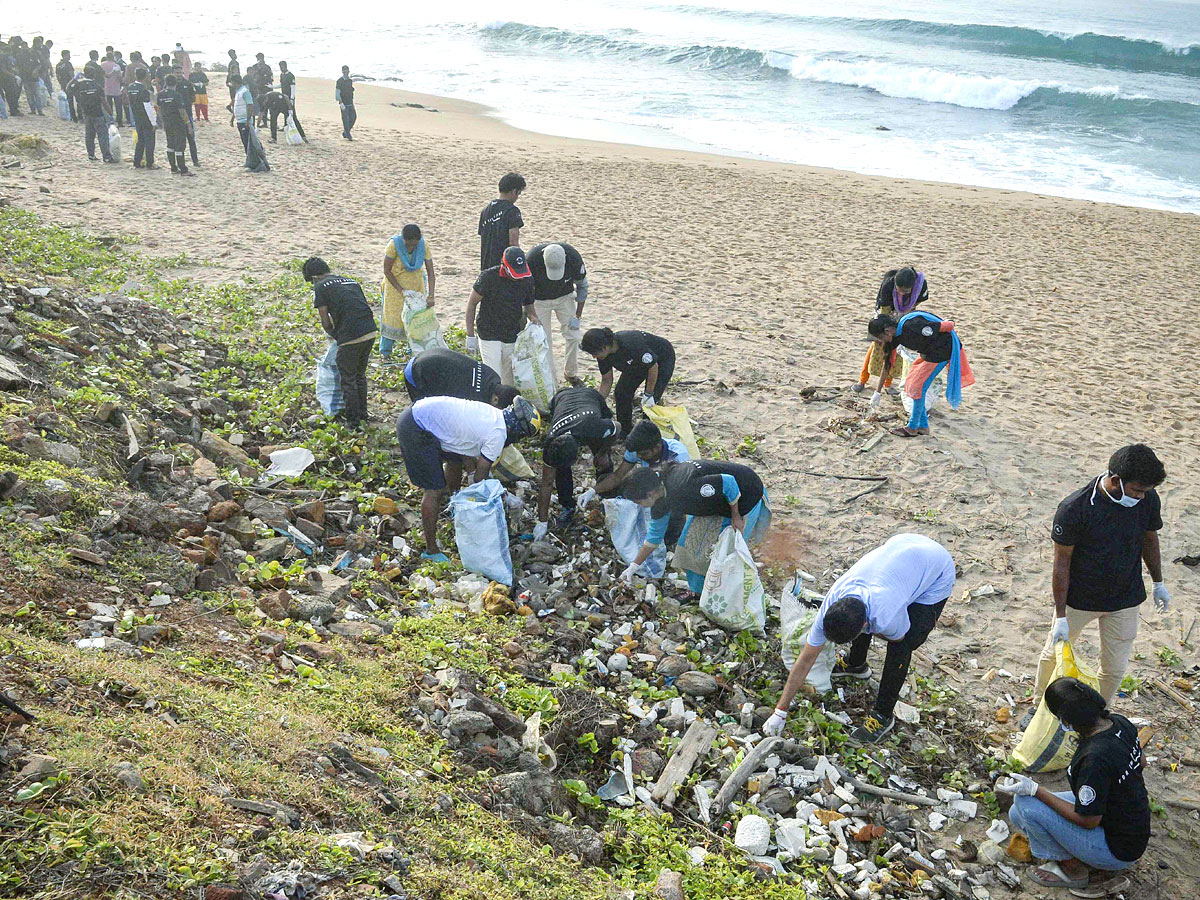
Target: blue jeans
919 418
1053 837
95 128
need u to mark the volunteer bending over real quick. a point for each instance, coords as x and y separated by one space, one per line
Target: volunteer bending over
939 347
1103 822
899 294
578 415
896 591
646 447
438 435
731 493
640 357
440 372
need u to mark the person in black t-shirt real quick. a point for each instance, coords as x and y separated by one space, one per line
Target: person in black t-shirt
441 372
560 286
900 293
187 96
578 415
500 222
939 347
1103 533
501 295
347 318
343 92
1103 822
140 102
65 72
89 95
172 111
287 87
199 82
698 489
234 68
640 357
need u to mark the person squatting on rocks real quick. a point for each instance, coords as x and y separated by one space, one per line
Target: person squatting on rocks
578 415
439 435
896 591
347 318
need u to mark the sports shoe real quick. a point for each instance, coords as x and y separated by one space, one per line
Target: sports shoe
873 730
857 387
843 672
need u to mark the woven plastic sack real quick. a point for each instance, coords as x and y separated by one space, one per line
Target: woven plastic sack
511 466
64 106
420 323
115 144
1045 747
795 620
329 381
673 421
533 370
481 530
628 524
733 593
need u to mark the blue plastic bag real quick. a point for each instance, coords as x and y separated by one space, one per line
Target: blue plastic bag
329 381
627 525
481 530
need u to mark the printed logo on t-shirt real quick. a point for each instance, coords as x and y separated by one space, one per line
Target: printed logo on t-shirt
1058 529
927 331
707 490
647 358
1087 795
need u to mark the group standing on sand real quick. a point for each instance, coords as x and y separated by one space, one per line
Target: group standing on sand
465 411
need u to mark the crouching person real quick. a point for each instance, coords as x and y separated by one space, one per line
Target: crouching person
578 415
1103 822
896 591
439 435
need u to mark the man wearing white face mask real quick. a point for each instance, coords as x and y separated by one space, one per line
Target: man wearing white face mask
1103 533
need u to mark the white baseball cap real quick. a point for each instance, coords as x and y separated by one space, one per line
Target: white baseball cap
555 258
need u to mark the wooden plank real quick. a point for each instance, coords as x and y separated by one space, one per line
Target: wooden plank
696 742
748 766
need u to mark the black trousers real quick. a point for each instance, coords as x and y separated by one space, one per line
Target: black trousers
143 147
564 478
244 131
628 384
352 362
275 114
921 619
190 133
176 144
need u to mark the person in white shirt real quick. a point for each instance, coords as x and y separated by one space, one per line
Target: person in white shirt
243 108
437 435
896 591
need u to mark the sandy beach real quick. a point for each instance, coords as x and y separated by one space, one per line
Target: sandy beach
1074 315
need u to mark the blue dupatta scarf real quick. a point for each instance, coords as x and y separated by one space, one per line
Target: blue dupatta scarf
410 261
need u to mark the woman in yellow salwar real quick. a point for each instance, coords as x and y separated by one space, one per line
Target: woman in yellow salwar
407 266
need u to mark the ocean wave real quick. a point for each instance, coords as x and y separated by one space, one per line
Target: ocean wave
1113 51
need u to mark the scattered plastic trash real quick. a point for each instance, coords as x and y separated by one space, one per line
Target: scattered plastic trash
290 463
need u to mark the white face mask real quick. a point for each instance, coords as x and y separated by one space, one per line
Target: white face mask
1125 500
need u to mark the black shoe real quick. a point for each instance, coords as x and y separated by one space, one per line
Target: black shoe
94 158
843 672
148 166
186 172
138 166
873 730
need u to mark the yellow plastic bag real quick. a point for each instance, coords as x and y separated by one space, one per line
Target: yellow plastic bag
1045 747
512 466
673 421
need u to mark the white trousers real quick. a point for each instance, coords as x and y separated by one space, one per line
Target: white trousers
564 308
498 356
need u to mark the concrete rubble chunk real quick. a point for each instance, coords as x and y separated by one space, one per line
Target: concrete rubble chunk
669 885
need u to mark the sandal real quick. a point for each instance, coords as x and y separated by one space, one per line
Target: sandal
904 432
1051 875
1103 888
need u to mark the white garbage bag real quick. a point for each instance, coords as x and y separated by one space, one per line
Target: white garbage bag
627 524
795 620
933 396
733 593
115 144
533 371
481 530
291 133
329 381
421 323
64 106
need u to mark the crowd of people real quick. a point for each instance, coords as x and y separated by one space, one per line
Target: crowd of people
466 410
168 93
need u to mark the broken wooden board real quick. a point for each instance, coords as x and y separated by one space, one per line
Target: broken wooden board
748 766
696 742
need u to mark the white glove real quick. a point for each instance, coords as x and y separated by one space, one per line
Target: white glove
472 344
540 529
574 324
342 107
648 401
1162 597
774 725
628 574
586 497
876 399
1017 785
1060 631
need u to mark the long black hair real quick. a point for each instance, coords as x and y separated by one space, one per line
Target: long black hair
1076 704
